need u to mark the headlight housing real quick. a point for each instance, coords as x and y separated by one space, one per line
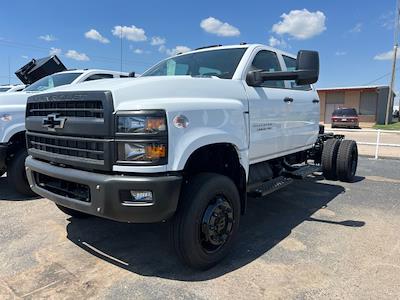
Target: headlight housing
142 137
141 124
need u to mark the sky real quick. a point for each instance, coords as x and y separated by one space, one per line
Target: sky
354 38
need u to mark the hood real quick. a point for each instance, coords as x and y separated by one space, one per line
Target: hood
162 88
11 99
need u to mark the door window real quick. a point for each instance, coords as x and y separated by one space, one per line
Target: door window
268 61
291 65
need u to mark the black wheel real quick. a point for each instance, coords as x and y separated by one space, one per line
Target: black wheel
207 220
73 213
347 160
2 171
16 174
329 157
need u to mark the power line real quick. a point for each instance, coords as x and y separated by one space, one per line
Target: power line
19 45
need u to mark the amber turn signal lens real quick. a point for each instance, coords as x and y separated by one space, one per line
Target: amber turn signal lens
155 151
155 124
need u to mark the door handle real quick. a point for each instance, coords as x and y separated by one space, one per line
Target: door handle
315 101
288 100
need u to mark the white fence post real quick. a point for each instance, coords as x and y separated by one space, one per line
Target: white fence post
378 139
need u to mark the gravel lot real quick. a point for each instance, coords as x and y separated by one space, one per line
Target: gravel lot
314 239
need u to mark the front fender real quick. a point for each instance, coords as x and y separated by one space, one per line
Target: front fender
9 128
202 137
206 127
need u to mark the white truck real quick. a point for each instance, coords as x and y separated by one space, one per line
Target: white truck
189 140
11 88
12 120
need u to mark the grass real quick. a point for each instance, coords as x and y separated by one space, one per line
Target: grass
392 126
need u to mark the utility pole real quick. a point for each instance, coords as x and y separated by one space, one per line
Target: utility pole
396 46
9 71
121 49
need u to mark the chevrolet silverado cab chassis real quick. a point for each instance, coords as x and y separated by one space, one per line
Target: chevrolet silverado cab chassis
187 141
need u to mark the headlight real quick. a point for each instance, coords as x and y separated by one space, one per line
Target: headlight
146 152
141 124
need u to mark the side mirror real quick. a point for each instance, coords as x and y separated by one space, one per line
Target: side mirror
307 67
307 71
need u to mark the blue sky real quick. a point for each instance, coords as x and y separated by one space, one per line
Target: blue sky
350 35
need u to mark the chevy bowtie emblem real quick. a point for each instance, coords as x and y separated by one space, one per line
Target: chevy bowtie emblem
53 122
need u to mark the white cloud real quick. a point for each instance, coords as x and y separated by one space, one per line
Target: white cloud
48 38
157 41
55 51
138 51
25 56
131 33
73 54
340 53
176 50
93 34
301 24
386 55
215 26
387 20
357 28
274 42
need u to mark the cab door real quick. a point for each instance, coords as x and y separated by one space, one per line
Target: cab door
302 123
267 110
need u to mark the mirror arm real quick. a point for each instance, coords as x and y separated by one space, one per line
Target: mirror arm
292 75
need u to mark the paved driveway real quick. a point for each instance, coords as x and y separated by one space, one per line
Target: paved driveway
314 239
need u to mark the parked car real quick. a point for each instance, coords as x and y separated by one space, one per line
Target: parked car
11 88
12 120
345 117
186 141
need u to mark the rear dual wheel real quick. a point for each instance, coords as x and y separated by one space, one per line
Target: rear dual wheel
339 160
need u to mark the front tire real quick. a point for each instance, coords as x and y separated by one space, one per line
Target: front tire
16 174
207 220
73 213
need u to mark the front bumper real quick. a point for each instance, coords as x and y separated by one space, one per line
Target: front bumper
105 192
3 156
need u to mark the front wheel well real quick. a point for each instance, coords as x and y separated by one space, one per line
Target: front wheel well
221 158
16 143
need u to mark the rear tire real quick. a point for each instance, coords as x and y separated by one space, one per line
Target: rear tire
73 213
16 174
329 158
347 161
206 223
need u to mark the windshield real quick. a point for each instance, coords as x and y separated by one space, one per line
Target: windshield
52 81
219 63
345 112
2 90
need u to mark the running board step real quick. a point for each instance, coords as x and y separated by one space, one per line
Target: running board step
303 171
270 186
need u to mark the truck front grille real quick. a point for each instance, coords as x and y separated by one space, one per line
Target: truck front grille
83 153
63 188
84 148
78 109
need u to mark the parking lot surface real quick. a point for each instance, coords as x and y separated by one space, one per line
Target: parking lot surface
313 239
